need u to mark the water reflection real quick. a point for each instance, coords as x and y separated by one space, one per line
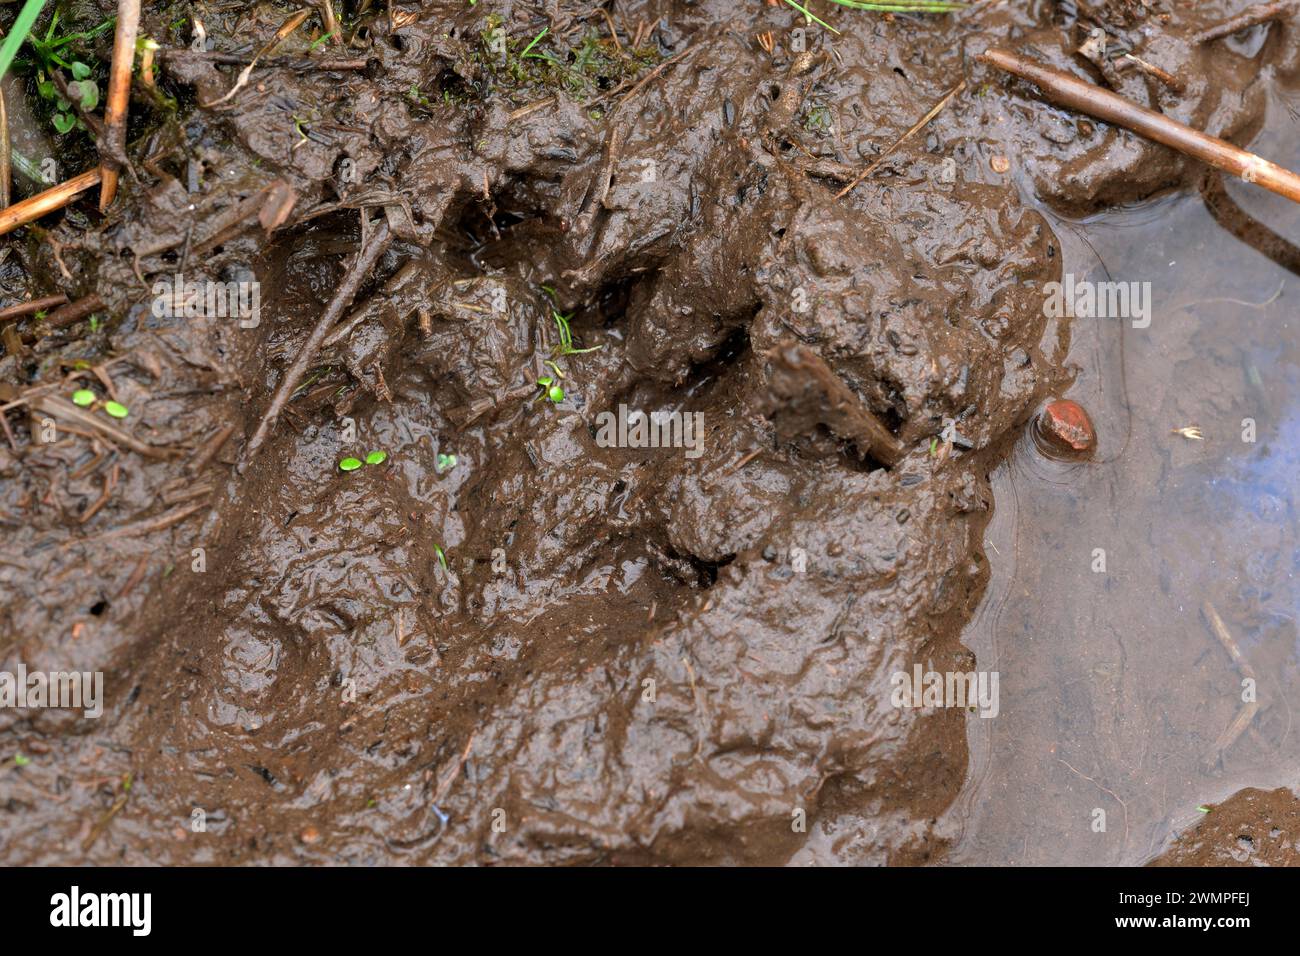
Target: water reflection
1117 693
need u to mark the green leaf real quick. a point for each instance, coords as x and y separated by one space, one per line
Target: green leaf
83 397
46 89
376 458
116 409
21 761
64 122
22 25
79 70
349 464
89 94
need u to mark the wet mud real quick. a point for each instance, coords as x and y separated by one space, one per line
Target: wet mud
513 641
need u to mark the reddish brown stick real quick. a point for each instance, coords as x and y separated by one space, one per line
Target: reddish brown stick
1073 93
1250 17
74 311
119 95
35 305
56 197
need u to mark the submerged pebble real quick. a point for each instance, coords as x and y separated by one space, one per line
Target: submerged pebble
1065 426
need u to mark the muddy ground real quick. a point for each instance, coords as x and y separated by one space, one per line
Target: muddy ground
549 650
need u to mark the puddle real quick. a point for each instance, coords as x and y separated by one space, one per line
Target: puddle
1114 688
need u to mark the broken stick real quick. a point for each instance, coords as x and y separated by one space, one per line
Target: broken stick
119 96
56 197
1073 93
378 242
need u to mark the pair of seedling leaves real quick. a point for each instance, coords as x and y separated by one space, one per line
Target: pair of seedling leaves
82 87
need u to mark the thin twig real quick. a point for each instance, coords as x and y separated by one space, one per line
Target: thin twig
296 63
649 76
149 526
119 96
920 124
1246 714
286 28
1250 17
356 275
1073 93
62 408
208 450
74 311
35 305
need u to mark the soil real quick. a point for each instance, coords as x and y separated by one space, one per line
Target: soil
553 651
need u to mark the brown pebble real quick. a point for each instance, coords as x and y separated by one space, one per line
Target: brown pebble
1066 424
309 835
1000 164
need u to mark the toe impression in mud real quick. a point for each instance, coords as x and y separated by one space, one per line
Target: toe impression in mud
804 392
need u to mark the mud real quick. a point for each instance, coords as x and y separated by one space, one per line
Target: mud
551 650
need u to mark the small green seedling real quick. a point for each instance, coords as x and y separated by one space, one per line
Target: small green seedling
54 52
442 558
21 761
550 389
376 458
445 462
566 336
116 409
349 464
83 397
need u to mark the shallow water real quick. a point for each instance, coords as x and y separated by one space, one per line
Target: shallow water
1114 688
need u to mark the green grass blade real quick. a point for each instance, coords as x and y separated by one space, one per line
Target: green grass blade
26 17
811 16
905 6
525 54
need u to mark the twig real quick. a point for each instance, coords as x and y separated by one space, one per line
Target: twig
208 450
1164 76
42 204
74 311
920 124
160 523
331 22
649 76
98 830
1122 804
530 108
53 405
365 261
119 96
1250 17
289 25
137 574
1073 93
447 781
35 305
1246 715
110 482
298 63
